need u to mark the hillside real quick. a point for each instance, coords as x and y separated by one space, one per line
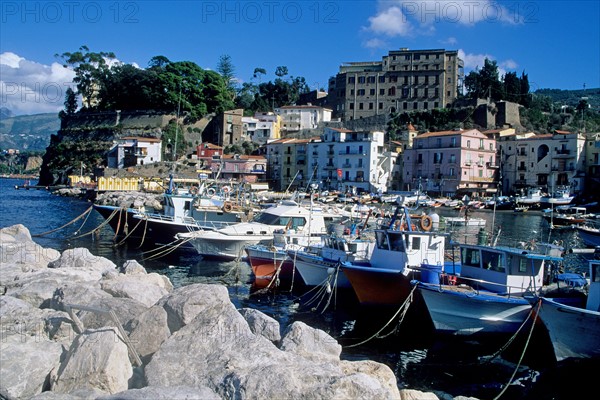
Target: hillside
572 97
28 132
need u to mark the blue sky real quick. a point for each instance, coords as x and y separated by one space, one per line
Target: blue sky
557 43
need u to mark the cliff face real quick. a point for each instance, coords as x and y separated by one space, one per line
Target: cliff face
87 137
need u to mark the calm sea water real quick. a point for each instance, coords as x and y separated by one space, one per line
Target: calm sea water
419 358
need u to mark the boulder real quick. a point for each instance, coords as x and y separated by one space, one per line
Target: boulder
148 331
17 248
97 359
262 324
165 393
218 349
26 362
82 258
141 287
310 343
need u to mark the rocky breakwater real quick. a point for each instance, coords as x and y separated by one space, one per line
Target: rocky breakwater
189 342
149 201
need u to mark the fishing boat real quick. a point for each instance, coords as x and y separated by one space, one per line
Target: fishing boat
184 210
320 265
589 235
489 291
566 217
575 331
532 198
407 249
561 196
229 243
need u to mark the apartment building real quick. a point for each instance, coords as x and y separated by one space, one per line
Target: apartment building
131 151
339 159
451 163
547 161
305 117
262 127
404 80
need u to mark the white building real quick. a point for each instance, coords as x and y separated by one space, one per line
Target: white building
547 161
298 118
261 128
131 151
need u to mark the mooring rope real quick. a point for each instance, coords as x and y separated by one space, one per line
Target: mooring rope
65 225
144 234
539 304
119 222
169 250
406 304
128 233
97 229
84 221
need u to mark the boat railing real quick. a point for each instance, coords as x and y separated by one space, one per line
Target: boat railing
479 285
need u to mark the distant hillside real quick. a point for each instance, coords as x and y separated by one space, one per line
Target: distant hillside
572 97
28 132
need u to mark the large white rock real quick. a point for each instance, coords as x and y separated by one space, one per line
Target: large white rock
309 342
148 331
144 288
25 364
165 393
82 258
262 324
217 349
97 359
17 247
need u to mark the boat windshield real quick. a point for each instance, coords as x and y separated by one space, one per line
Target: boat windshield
290 222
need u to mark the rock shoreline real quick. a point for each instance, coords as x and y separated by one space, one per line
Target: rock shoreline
192 342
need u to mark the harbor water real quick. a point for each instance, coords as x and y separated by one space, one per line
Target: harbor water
420 359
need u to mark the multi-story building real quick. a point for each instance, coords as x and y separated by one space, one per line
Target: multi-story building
546 161
225 129
451 163
299 118
592 160
242 168
404 80
262 127
288 164
131 151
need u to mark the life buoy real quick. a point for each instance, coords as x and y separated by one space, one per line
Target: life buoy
194 190
211 191
226 189
227 206
426 223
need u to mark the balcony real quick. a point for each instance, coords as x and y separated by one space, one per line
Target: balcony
522 168
330 166
563 154
480 179
352 152
331 153
492 164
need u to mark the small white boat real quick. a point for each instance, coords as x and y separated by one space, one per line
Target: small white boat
589 235
575 331
453 222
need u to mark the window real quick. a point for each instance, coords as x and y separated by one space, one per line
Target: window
392 91
350 79
425 105
451 171
415 105
360 106
382 92
405 92
371 79
405 106
372 92
381 79
469 146
452 158
416 243
406 80
370 106
361 92
381 238
361 79
438 142
380 106
351 106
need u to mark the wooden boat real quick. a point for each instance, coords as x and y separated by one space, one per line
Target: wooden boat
402 251
567 217
490 294
575 331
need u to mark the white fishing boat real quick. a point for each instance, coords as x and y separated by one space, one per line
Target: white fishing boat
230 242
575 331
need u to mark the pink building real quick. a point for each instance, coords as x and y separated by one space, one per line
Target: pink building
452 163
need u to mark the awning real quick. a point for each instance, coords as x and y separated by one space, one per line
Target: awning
259 186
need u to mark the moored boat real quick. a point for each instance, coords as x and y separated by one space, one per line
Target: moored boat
401 252
575 331
491 294
589 235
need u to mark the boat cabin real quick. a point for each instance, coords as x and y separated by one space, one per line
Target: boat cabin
504 269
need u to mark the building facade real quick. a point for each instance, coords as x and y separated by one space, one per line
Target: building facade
262 127
300 118
451 163
404 80
132 151
546 161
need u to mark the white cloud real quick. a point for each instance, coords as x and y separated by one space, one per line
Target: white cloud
390 22
412 18
452 41
509 64
28 87
375 43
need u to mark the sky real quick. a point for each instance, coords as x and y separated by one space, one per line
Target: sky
557 43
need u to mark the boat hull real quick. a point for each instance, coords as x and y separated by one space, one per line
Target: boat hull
267 263
462 312
378 286
574 332
316 271
589 237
